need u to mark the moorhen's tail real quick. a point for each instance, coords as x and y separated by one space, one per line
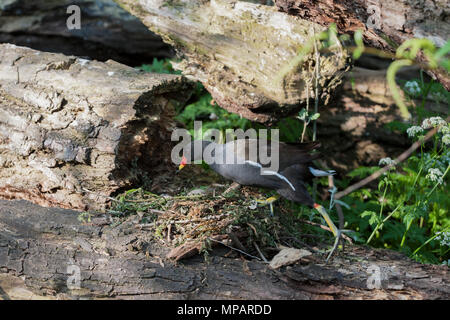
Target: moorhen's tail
299 152
304 146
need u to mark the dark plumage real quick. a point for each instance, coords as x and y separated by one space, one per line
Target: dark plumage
294 163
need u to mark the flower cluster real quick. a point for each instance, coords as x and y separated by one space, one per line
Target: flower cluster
446 139
435 175
433 122
387 161
444 238
444 129
413 88
414 131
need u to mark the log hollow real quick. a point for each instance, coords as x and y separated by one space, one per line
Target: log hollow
73 131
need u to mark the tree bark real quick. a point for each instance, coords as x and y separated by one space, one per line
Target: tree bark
49 248
385 23
107 31
242 53
73 131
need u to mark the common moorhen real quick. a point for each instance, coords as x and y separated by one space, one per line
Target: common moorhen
246 168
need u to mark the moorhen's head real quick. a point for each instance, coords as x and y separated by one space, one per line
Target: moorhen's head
193 151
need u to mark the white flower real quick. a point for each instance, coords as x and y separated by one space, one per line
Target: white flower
413 131
444 238
433 122
444 129
387 161
412 87
434 175
446 139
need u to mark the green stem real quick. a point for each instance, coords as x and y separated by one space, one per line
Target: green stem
381 224
306 121
428 241
406 231
316 98
390 75
382 200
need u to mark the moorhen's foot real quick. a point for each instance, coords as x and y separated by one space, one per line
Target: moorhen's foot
337 239
268 201
337 232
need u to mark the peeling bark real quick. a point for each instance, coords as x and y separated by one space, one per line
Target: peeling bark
72 131
39 245
240 50
385 23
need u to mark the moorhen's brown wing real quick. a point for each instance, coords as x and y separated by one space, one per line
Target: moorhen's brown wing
288 153
288 180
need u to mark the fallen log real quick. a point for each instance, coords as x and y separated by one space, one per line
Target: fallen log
73 131
61 257
104 29
242 53
385 23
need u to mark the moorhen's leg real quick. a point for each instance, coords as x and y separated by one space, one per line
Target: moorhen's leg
232 187
336 232
268 201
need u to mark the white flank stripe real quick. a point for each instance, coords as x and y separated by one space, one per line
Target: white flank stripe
252 163
281 177
255 164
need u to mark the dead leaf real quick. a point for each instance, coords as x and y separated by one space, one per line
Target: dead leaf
288 256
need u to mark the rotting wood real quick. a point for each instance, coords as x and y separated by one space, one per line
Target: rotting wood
39 244
238 50
73 131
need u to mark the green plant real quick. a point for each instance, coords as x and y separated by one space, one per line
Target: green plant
159 66
406 54
408 210
411 203
212 117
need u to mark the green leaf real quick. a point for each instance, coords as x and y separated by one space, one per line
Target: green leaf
315 116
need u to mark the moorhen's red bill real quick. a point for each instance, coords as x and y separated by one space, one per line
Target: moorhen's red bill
246 168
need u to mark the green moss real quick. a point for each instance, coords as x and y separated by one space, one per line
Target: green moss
173 4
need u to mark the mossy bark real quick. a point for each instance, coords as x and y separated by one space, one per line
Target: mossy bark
242 52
